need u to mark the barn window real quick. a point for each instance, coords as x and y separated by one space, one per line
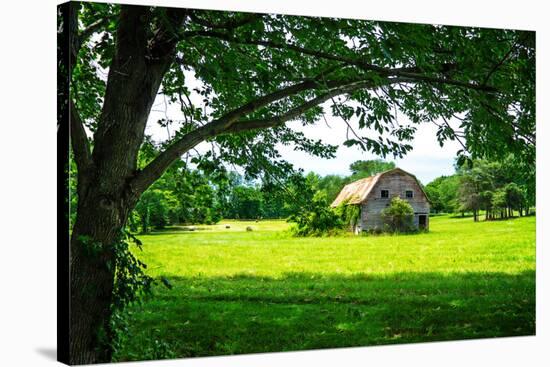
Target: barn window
409 194
384 194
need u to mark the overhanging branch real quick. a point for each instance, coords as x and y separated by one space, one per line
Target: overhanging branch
230 123
406 72
229 24
247 125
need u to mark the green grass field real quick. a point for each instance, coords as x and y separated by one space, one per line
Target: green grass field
262 291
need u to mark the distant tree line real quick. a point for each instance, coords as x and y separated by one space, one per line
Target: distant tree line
497 189
197 196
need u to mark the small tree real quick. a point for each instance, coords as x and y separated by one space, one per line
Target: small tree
515 198
486 201
398 216
317 218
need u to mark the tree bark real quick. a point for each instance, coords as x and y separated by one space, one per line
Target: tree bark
96 229
105 197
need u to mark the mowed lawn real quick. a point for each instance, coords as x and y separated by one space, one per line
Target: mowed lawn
262 291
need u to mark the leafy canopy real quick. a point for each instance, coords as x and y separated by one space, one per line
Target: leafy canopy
367 73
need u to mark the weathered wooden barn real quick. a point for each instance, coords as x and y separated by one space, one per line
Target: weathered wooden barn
374 193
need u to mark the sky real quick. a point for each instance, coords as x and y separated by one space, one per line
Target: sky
426 161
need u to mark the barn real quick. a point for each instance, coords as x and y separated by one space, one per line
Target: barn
374 193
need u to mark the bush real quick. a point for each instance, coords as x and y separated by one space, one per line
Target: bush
316 219
398 216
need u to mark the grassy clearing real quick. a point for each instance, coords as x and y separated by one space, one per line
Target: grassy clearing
243 292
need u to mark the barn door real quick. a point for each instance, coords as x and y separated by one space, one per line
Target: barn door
422 219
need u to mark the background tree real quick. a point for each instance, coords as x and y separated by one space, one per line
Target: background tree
491 186
443 194
362 169
245 203
256 72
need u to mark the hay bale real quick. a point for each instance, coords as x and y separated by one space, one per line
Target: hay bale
227 226
249 229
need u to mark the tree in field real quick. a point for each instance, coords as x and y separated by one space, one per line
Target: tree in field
498 203
492 187
331 185
515 198
153 209
362 169
246 203
443 194
238 79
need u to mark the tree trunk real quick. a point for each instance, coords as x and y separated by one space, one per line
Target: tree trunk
105 193
97 228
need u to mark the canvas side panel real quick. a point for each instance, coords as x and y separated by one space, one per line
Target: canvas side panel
63 78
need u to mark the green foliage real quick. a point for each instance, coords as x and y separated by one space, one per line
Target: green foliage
303 293
493 187
498 199
443 194
245 203
362 169
331 185
156 209
181 195
316 219
398 216
131 282
130 286
232 70
349 214
73 194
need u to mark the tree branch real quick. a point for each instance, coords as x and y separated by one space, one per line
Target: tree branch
229 25
229 123
402 72
79 140
247 125
499 64
80 37
92 28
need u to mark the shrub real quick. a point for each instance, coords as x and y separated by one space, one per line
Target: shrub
398 216
316 219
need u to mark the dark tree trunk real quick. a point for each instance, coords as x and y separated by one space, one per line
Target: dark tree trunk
97 228
105 193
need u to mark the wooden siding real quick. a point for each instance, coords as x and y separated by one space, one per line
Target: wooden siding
397 182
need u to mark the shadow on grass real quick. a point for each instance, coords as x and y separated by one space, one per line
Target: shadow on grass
205 316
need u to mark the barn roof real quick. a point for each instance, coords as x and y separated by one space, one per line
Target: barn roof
357 191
